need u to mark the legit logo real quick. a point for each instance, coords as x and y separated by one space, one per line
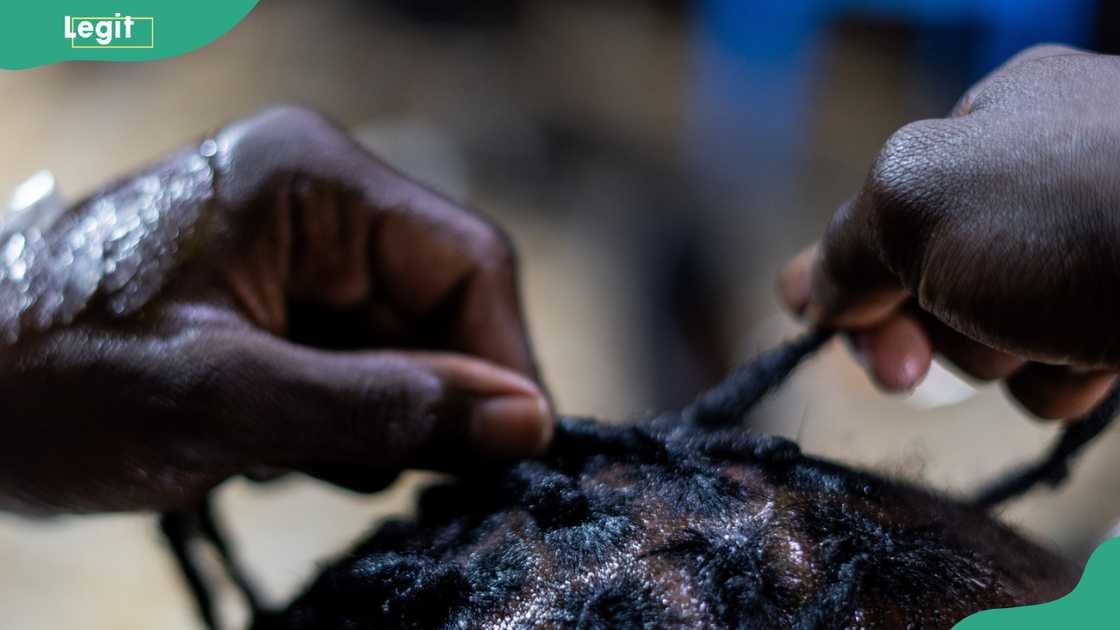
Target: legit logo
111 32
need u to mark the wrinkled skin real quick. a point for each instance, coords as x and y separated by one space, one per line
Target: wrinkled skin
266 347
990 237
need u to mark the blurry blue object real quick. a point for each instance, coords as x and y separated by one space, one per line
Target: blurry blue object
755 63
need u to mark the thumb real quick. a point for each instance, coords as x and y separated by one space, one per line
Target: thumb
841 282
875 247
310 409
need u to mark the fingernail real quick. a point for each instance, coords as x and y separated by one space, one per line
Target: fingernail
512 426
795 283
911 370
797 295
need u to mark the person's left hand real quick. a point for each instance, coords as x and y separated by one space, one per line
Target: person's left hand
273 297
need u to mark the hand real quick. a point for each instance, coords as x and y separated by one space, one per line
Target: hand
990 237
228 310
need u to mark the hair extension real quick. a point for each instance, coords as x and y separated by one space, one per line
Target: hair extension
728 401
1053 470
181 529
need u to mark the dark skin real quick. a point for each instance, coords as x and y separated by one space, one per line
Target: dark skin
326 315
989 237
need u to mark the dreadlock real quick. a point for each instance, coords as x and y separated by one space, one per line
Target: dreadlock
682 520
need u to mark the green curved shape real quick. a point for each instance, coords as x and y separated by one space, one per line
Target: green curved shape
41 32
1094 602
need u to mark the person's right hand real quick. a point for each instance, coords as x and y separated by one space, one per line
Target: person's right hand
991 237
273 297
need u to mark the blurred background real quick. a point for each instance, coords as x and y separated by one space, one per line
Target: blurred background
655 163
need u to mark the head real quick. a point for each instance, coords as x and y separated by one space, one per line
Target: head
668 523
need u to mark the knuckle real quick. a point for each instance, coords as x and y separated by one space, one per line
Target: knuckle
405 399
902 171
967 102
1018 77
291 117
1039 51
279 139
492 248
907 192
398 389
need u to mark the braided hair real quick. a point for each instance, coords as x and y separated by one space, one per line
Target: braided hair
684 520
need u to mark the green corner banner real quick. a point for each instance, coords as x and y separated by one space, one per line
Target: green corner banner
1094 603
49 31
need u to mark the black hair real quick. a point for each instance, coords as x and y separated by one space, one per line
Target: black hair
1053 469
680 520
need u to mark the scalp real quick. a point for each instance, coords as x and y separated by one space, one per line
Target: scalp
663 525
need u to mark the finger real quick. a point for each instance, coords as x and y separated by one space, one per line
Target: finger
350 477
823 293
336 413
874 253
479 310
447 275
1057 392
353 477
794 283
842 282
897 352
357 236
977 360
967 102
